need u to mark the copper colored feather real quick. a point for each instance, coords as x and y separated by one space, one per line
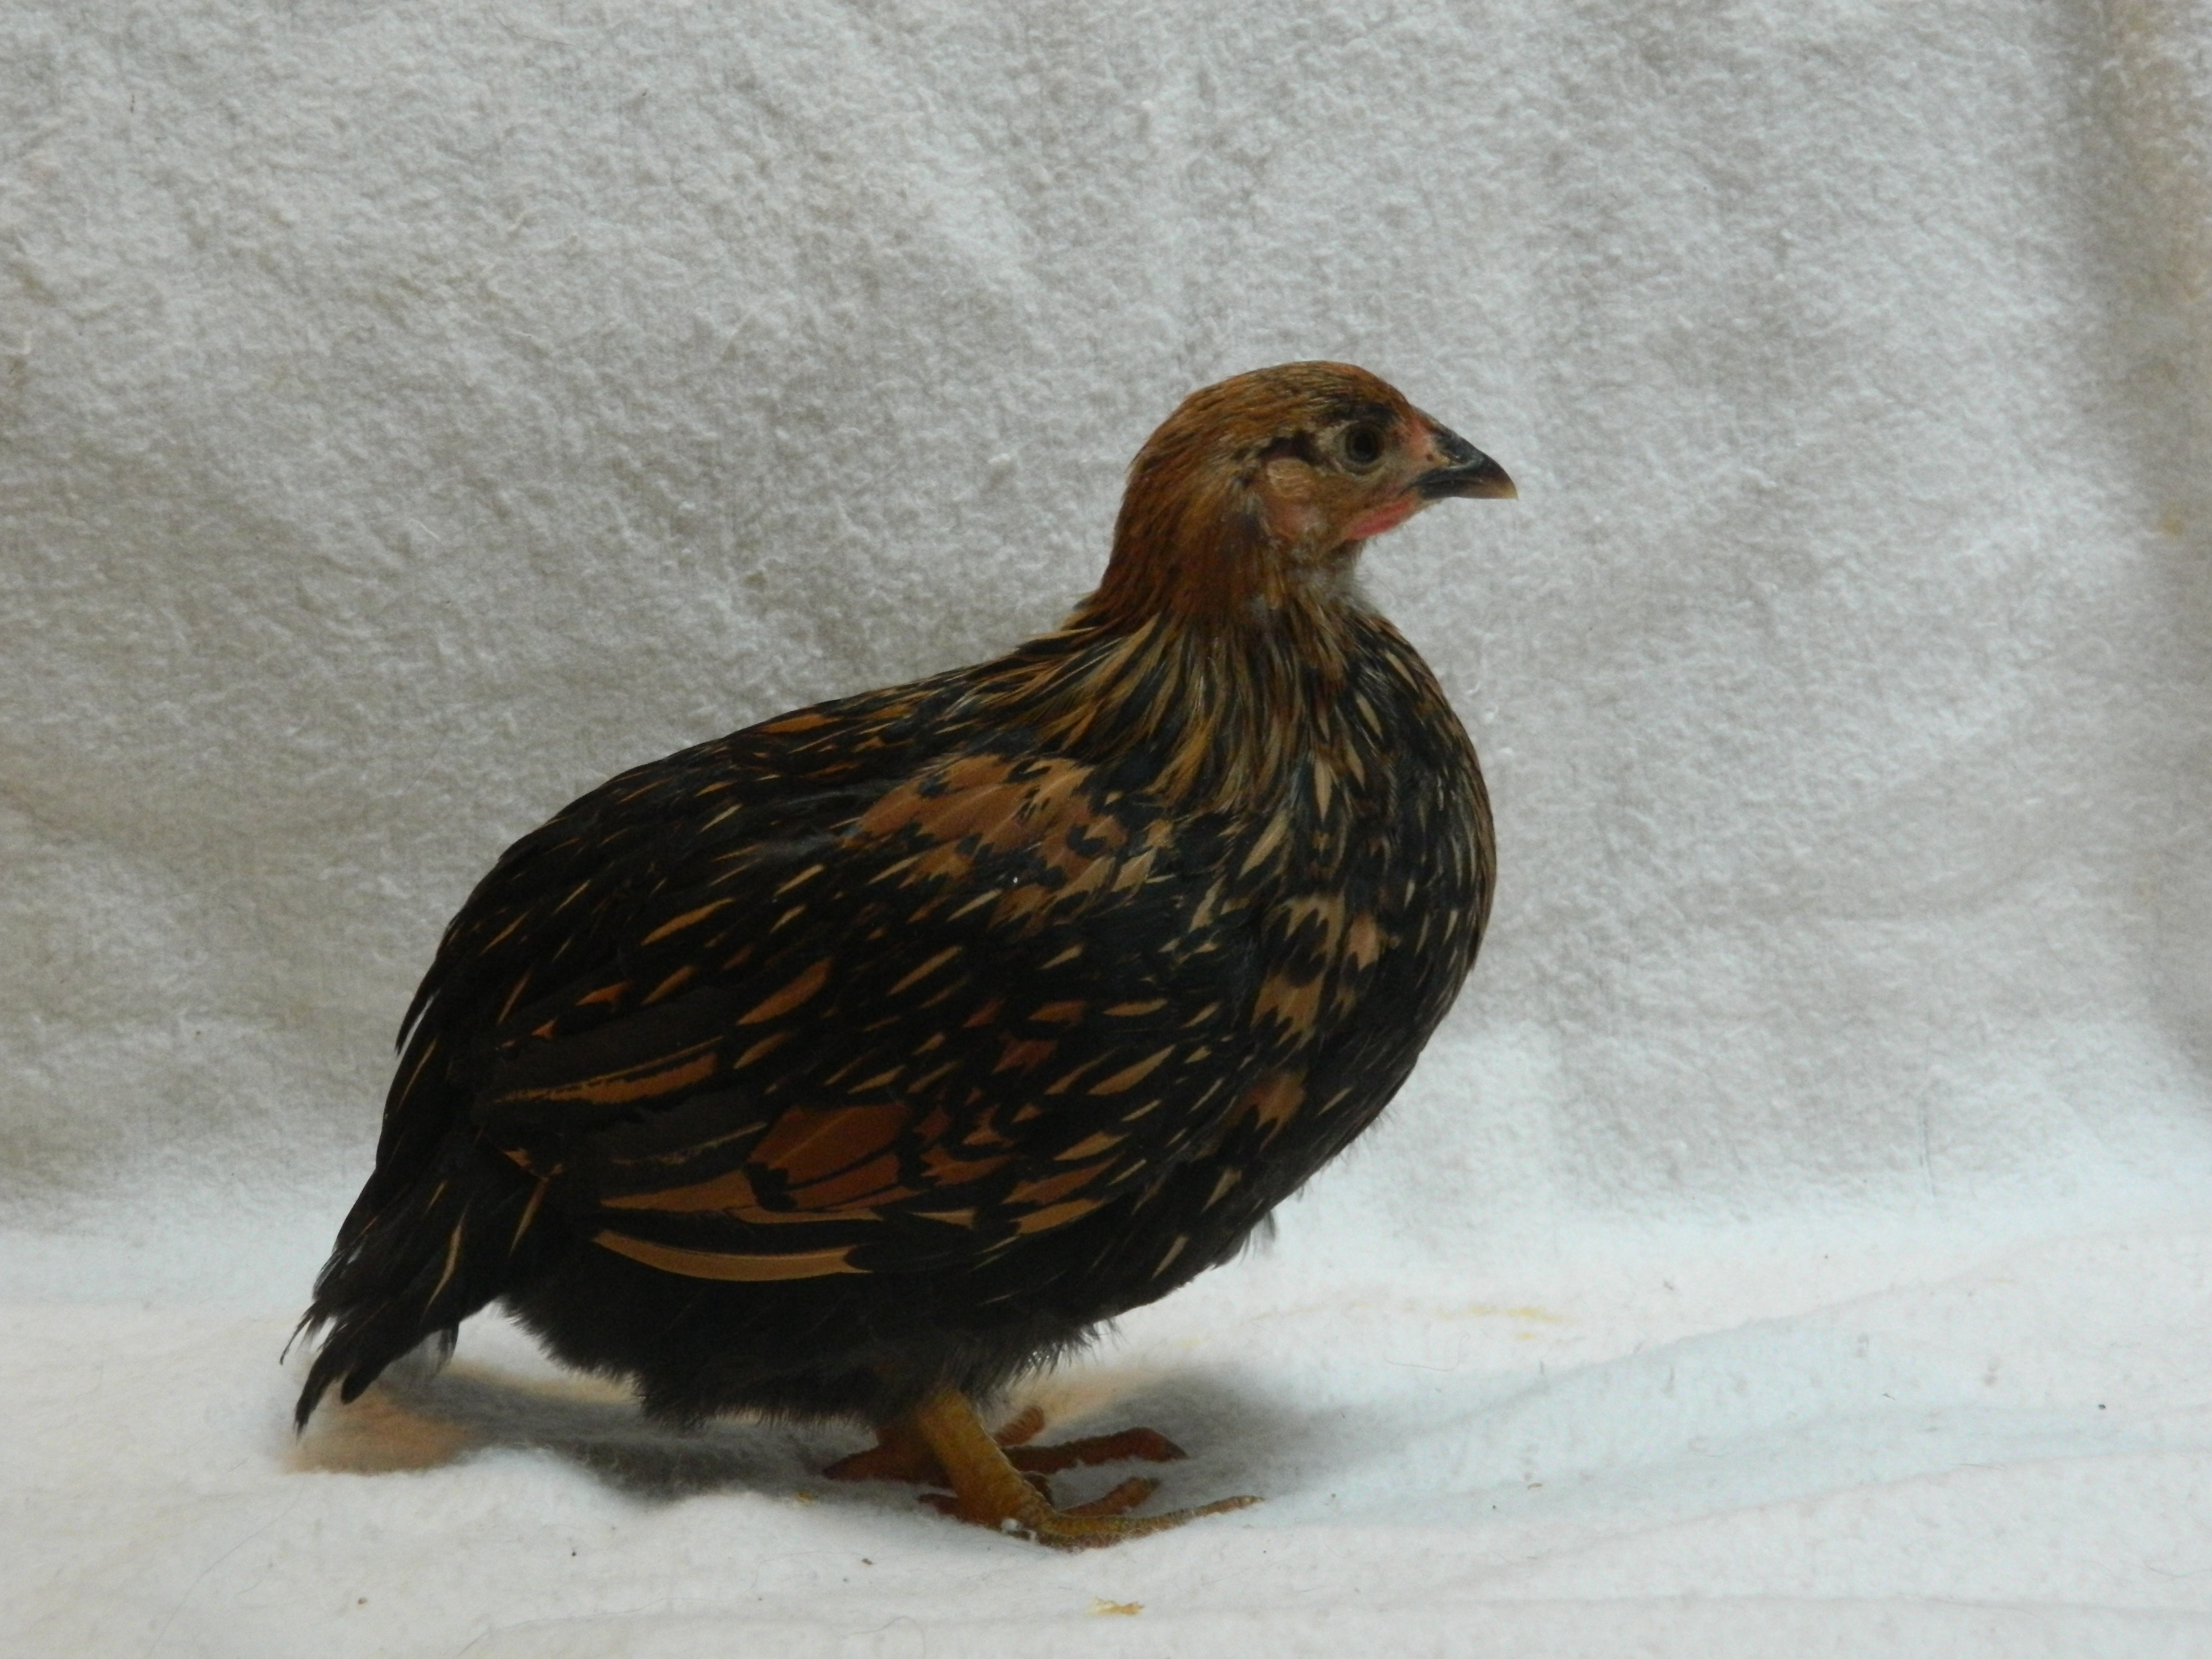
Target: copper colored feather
858 1061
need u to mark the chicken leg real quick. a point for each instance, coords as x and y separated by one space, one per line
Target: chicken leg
998 1481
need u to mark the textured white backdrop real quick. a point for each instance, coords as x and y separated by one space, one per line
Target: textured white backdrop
1799 1234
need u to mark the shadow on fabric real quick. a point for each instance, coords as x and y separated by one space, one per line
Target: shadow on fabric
418 1417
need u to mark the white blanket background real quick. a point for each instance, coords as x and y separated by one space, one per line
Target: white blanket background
1798 1239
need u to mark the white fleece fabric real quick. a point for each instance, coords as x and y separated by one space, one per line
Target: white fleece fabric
1798 1238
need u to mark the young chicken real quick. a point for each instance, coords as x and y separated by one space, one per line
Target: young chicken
859 1062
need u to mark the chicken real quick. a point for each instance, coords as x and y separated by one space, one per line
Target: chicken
857 1063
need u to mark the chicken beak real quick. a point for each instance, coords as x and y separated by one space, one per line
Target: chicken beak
1465 471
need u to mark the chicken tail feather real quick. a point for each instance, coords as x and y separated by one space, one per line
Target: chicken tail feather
423 1259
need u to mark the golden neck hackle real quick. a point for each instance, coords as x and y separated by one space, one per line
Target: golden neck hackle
1235 681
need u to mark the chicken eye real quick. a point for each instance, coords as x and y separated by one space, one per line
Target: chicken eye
1363 445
